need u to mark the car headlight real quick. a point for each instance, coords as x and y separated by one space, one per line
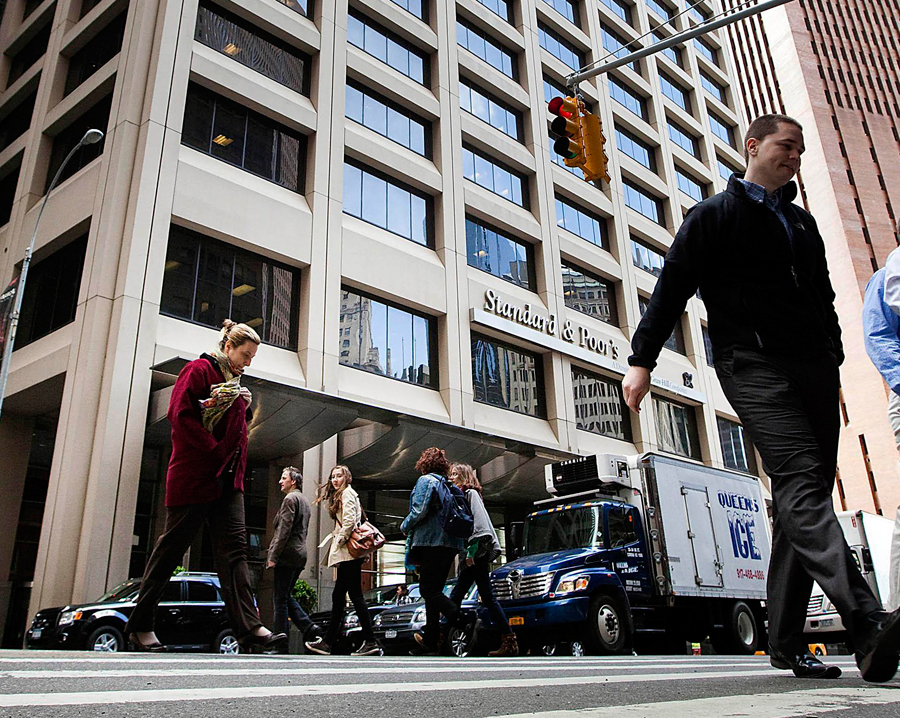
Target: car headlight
67 617
377 620
419 615
571 584
351 621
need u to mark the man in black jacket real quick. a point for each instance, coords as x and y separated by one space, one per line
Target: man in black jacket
759 263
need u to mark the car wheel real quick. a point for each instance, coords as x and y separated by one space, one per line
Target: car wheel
106 639
576 648
549 649
607 625
739 634
459 641
226 644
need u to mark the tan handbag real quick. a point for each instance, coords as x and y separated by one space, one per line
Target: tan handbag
365 539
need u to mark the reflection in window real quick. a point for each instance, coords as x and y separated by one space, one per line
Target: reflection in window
567 8
690 187
638 150
560 48
616 44
231 132
506 377
387 340
388 204
301 6
369 37
371 110
673 53
737 451
413 7
721 130
499 7
492 175
99 50
662 10
675 342
712 87
499 254
674 92
30 52
489 109
707 344
17 121
249 46
646 257
589 294
578 221
620 8
642 202
698 13
95 117
207 281
599 405
8 184
681 138
725 170
485 47
705 49
676 428
627 98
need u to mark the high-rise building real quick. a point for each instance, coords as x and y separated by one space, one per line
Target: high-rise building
833 66
371 186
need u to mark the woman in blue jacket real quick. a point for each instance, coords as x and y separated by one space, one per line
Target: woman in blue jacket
429 548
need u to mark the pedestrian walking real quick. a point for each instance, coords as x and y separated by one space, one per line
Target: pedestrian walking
345 509
430 548
287 555
208 413
482 549
881 324
759 263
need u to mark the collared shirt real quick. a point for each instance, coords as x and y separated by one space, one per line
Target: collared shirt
881 324
757 193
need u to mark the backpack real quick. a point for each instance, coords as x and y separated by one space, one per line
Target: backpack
454 513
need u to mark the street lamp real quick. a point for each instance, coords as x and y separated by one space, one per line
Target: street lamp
91 137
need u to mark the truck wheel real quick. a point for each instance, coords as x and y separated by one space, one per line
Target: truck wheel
106 639
739 634
607 626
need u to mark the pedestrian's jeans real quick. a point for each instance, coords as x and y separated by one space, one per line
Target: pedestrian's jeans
894 581
348 583
434 567
480 575
285 604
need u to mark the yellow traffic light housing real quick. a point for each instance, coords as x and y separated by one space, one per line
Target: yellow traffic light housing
580 137
595 166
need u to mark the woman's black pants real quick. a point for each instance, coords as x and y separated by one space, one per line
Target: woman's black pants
348 583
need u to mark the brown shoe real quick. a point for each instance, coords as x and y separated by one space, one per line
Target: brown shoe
508 647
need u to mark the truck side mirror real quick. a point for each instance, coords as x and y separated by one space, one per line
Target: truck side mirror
514 543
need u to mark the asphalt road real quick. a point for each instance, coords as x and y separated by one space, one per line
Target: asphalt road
56 683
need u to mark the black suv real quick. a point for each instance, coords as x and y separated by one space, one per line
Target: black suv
191 617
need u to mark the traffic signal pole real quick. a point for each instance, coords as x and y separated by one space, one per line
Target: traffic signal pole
702 29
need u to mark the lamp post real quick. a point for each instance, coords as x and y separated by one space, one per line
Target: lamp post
91 137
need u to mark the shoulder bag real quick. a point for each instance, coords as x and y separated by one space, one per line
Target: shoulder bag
365 539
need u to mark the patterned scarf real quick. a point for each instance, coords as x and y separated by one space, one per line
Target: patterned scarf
221 396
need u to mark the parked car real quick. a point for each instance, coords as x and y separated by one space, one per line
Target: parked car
191 617
396 626
378 599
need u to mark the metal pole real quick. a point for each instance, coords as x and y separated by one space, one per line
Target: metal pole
90 137
573 79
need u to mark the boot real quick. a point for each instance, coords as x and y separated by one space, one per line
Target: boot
508 647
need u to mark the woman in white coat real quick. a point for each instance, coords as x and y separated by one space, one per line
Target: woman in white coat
344 507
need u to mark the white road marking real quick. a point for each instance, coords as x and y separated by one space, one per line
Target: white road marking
795 704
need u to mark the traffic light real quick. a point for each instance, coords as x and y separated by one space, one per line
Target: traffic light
567 128
593 140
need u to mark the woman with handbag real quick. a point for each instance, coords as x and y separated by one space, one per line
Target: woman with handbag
344 507
208 413
482 549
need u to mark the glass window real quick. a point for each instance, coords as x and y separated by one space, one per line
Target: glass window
620 8
253 48
387 203
599 405
620 527
493 176
560 48
627 98
673 53
202 592
614 43
382 45
499 7
639 151
737 451
662 10
676 428
8 184
684 140
388 340
96 117
725 170
301 6
206 281
487 48
507 377
102 48
721 130
589 294
231 132
17 122
642 202
698 13
51 292
414 7
567 8
489 109
499 254
707 344
675 342
30 52
689 186
705 49
674 92
580 222
373 111
172 592
712 87
645 257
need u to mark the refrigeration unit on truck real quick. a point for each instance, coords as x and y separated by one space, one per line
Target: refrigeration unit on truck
649 546
869 538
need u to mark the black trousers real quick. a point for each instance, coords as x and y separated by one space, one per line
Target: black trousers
225 518
285 604
480 575
789 408
434 567
348 583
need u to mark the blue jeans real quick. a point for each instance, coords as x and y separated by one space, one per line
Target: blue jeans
480 574
285 604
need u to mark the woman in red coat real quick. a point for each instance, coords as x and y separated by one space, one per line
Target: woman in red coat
208 412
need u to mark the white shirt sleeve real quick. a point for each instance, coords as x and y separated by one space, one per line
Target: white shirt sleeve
892 281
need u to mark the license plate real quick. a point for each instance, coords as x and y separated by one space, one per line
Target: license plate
36 633
517 620
392 633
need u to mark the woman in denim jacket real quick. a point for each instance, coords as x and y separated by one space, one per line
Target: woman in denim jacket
429 548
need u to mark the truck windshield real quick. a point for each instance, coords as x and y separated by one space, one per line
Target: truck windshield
561 530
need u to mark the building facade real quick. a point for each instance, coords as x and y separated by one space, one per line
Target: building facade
833 66
370 185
